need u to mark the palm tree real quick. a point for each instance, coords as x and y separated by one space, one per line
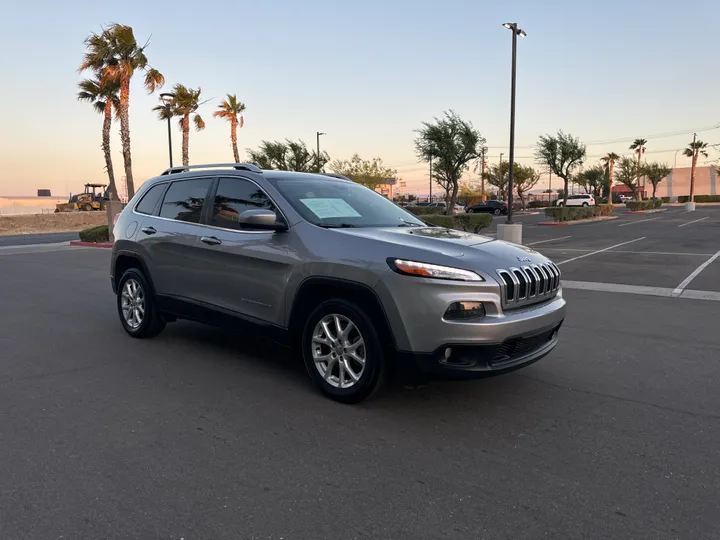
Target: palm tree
638 146
184 104
116 54
656 173
694 149
609 160
229 110
103 95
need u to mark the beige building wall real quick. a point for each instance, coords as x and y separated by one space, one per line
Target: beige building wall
677 183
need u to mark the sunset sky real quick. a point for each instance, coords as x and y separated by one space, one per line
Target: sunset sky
367 73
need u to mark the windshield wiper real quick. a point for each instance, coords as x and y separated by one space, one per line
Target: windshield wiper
409 224
337 226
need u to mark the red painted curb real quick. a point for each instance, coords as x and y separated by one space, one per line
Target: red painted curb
91 244
553 223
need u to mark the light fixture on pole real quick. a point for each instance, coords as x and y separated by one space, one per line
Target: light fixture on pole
511 161
168 98
318 149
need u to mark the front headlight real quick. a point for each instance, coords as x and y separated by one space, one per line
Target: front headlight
420 269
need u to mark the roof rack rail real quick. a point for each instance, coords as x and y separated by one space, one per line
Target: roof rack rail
335 175
237 166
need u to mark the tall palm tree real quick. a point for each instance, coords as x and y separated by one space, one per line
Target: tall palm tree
103 95
184 105
638 146
609 160
229 109
116 54
694 149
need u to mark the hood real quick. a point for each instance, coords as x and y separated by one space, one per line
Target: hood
474 249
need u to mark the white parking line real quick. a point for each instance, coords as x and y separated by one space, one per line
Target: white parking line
691 222
680 288
632 252
601 250
640 289
638 221
550 240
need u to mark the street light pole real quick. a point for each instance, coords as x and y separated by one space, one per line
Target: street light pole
430 196
167 99
515 33
318 150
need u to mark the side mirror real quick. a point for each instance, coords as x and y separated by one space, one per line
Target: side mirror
262 219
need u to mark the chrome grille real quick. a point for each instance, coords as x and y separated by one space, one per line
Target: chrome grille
528 284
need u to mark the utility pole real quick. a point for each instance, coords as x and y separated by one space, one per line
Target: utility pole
430 195
550 185
317 157
482 172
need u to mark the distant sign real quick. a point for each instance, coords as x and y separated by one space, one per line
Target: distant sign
44 193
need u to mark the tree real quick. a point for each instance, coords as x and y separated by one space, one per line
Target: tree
656 173
609 160
593 180
370 173
562 153
451 143
231 110
524 179
638 146
115 54
103 95
184 104
627 174
287 156
497 176
694 149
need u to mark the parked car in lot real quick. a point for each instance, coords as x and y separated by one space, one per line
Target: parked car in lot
489 207
457 209
578 200
356 284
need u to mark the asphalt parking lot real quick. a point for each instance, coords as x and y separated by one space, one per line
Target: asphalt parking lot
206 434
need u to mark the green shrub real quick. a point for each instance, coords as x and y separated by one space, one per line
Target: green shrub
648 204
573 213
95 234
538 204
440 220
423 210
705 198
473 223
606 209
656 203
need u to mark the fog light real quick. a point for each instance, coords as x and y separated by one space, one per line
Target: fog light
463 311
448 352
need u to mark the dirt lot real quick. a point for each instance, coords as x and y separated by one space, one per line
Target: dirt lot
48 223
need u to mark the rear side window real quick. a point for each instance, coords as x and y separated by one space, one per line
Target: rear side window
149 201
233 197
184 200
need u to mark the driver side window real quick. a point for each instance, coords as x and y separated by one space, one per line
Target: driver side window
233 197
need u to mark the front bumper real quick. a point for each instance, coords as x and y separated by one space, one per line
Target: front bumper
479 361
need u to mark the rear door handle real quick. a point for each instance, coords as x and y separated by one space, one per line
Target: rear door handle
211 240
148 230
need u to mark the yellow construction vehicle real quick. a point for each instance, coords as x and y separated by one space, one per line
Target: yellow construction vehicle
93 198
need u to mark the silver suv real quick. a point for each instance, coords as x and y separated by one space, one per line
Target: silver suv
321 263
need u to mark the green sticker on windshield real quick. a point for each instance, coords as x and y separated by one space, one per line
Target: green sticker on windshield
330 208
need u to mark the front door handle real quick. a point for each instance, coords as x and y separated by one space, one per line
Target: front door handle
148 230
211 240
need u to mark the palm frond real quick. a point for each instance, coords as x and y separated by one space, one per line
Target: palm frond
688 152
199 122
153 80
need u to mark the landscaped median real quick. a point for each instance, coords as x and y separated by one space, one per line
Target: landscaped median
94 237
561 215
473 223
648 206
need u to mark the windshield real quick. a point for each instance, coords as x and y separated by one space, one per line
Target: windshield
339 203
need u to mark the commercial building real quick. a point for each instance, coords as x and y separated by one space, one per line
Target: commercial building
677 183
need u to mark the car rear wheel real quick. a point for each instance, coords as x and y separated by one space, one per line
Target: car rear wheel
138 312
497 212
342 351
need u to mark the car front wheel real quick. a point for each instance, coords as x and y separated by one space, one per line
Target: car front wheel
342 351
470 211
138 312
585 204
497 212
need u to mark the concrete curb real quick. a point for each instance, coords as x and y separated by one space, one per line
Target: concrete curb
91 244
653 211
576 222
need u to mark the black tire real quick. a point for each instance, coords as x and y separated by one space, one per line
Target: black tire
584 204
87 207
497 212
372 375
470 211
152 322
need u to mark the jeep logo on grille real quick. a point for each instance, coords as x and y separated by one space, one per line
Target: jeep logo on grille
523 259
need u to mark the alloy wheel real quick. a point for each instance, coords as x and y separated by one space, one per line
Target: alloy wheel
132 303
338 351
